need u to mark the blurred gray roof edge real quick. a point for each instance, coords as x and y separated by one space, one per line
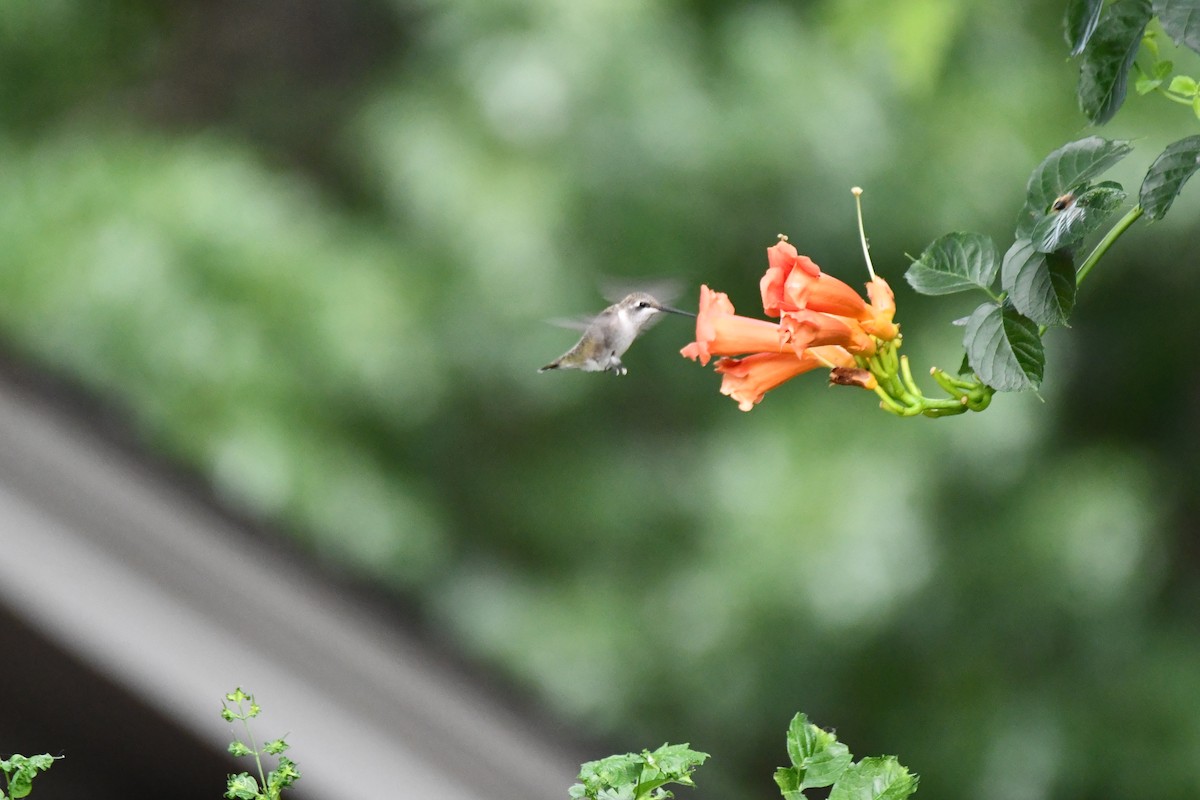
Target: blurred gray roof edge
127 565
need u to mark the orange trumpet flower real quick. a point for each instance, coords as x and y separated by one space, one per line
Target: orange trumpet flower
747 379
720 332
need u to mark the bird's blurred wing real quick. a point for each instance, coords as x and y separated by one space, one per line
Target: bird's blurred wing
572 323
664 290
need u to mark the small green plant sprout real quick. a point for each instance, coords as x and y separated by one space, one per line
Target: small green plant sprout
637 776
19 772
819 759
244 786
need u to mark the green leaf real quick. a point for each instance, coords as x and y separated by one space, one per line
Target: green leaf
1039 285
1075 215
875 778
954 263
1147 85
282 776
1104 68
21 770
241 787
617 777
1183 84
676 761
1080 22
817 755
275 747
788 779
20 785
1181 20
240 749
1066 168
1167 175
1004 348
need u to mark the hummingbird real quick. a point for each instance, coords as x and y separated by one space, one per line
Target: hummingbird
610 333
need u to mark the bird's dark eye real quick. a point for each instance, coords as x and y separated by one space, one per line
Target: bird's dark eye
643 304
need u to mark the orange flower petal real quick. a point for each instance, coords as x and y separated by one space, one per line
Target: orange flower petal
883 299
824 293
883 304
720 332
833 356
806 328
782 261
748 379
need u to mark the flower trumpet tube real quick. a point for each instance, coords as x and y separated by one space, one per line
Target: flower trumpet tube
747 379
805 328
720 332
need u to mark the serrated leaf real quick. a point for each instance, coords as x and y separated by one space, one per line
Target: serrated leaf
1104 68
239 748
241 787
815 753
21 770
1064 169
788 781
1039 285
275 747
1183 84
1167 175
954 263
875 778
1074 216
618 776
1080 23
1181 20
1004 348
282 776
675 762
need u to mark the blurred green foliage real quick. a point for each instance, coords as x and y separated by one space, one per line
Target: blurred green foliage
310 246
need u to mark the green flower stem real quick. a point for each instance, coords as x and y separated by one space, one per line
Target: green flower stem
947 382
254 747
899 394
1175 98
906 376
1109 239
889 404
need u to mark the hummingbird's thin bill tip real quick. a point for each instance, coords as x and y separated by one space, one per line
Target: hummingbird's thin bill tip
679 311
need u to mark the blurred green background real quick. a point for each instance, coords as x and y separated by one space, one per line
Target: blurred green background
311 245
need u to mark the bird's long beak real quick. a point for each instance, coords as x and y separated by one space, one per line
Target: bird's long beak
671 310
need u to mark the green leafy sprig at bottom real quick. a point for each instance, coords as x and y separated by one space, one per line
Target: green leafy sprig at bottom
818 759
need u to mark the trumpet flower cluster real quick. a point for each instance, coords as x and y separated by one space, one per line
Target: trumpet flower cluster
818 322
821 323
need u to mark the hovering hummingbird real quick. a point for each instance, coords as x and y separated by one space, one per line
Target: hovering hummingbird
610 333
